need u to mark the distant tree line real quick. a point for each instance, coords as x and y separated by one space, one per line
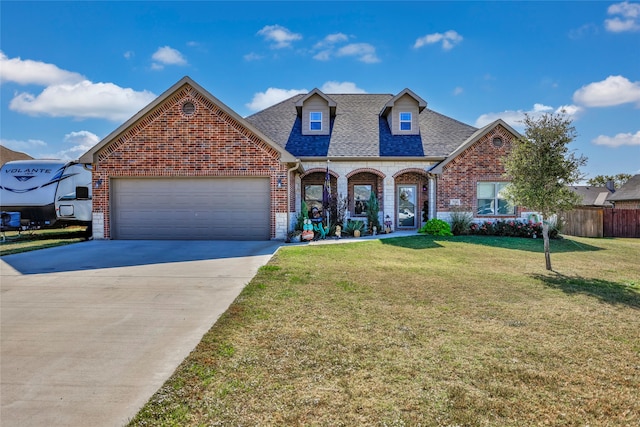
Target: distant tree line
601 180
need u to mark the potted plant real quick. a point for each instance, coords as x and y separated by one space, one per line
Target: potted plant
354 227
294 236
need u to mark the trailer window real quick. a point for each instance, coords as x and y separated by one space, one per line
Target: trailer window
82 192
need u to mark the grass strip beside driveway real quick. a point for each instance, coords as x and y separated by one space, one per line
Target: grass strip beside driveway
32 240
422 331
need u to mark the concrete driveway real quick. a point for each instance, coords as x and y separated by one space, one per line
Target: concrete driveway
90 331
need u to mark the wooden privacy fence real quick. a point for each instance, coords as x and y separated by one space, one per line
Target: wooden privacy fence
602 222
584 222
621 223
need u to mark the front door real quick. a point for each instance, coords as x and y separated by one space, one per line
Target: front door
407 206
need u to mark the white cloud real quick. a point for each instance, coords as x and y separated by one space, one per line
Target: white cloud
458 91
364 52
271 96
618 140
449 39
129 54
541 108
280 36
83 138
329 47
323 55
331 40
515 118
26 72
23 146
341 87
81 142
614 90
583 31
628 19
83 100
252 56
68 94
167 56
571 110
326 46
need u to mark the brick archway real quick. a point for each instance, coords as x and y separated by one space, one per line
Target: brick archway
412 177
366 170
356 180
316 170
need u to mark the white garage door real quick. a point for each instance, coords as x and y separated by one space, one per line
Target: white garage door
190 208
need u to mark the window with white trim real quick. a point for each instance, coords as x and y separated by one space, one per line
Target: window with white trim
405 121
315 120
491 201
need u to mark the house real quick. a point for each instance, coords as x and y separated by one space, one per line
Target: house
628 196
8 155
188 167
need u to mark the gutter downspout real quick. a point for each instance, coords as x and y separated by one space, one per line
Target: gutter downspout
289 193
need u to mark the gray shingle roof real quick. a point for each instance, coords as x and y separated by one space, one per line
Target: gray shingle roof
592 196
629 191
357 130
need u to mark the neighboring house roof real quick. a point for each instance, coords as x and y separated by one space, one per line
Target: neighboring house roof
8 155
88 157
629 191
592 196
358 130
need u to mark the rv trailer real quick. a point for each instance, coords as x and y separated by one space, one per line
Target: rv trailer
46 192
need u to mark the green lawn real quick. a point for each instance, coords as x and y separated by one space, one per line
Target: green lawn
422 331
39 239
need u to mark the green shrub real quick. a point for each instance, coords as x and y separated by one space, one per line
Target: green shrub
461 222
512 228
436 227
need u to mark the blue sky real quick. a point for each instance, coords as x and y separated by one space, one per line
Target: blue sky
72 72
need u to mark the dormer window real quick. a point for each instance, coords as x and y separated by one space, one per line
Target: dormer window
402 113
405 121
315 120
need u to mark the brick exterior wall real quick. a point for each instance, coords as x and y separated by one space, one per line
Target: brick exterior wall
482 161
168 143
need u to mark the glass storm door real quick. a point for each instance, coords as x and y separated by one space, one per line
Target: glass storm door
406 206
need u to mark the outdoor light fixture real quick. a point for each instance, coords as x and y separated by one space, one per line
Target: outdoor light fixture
279 182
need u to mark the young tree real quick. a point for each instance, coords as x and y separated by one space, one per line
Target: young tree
541 167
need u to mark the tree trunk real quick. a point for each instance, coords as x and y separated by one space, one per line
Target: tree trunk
545 236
